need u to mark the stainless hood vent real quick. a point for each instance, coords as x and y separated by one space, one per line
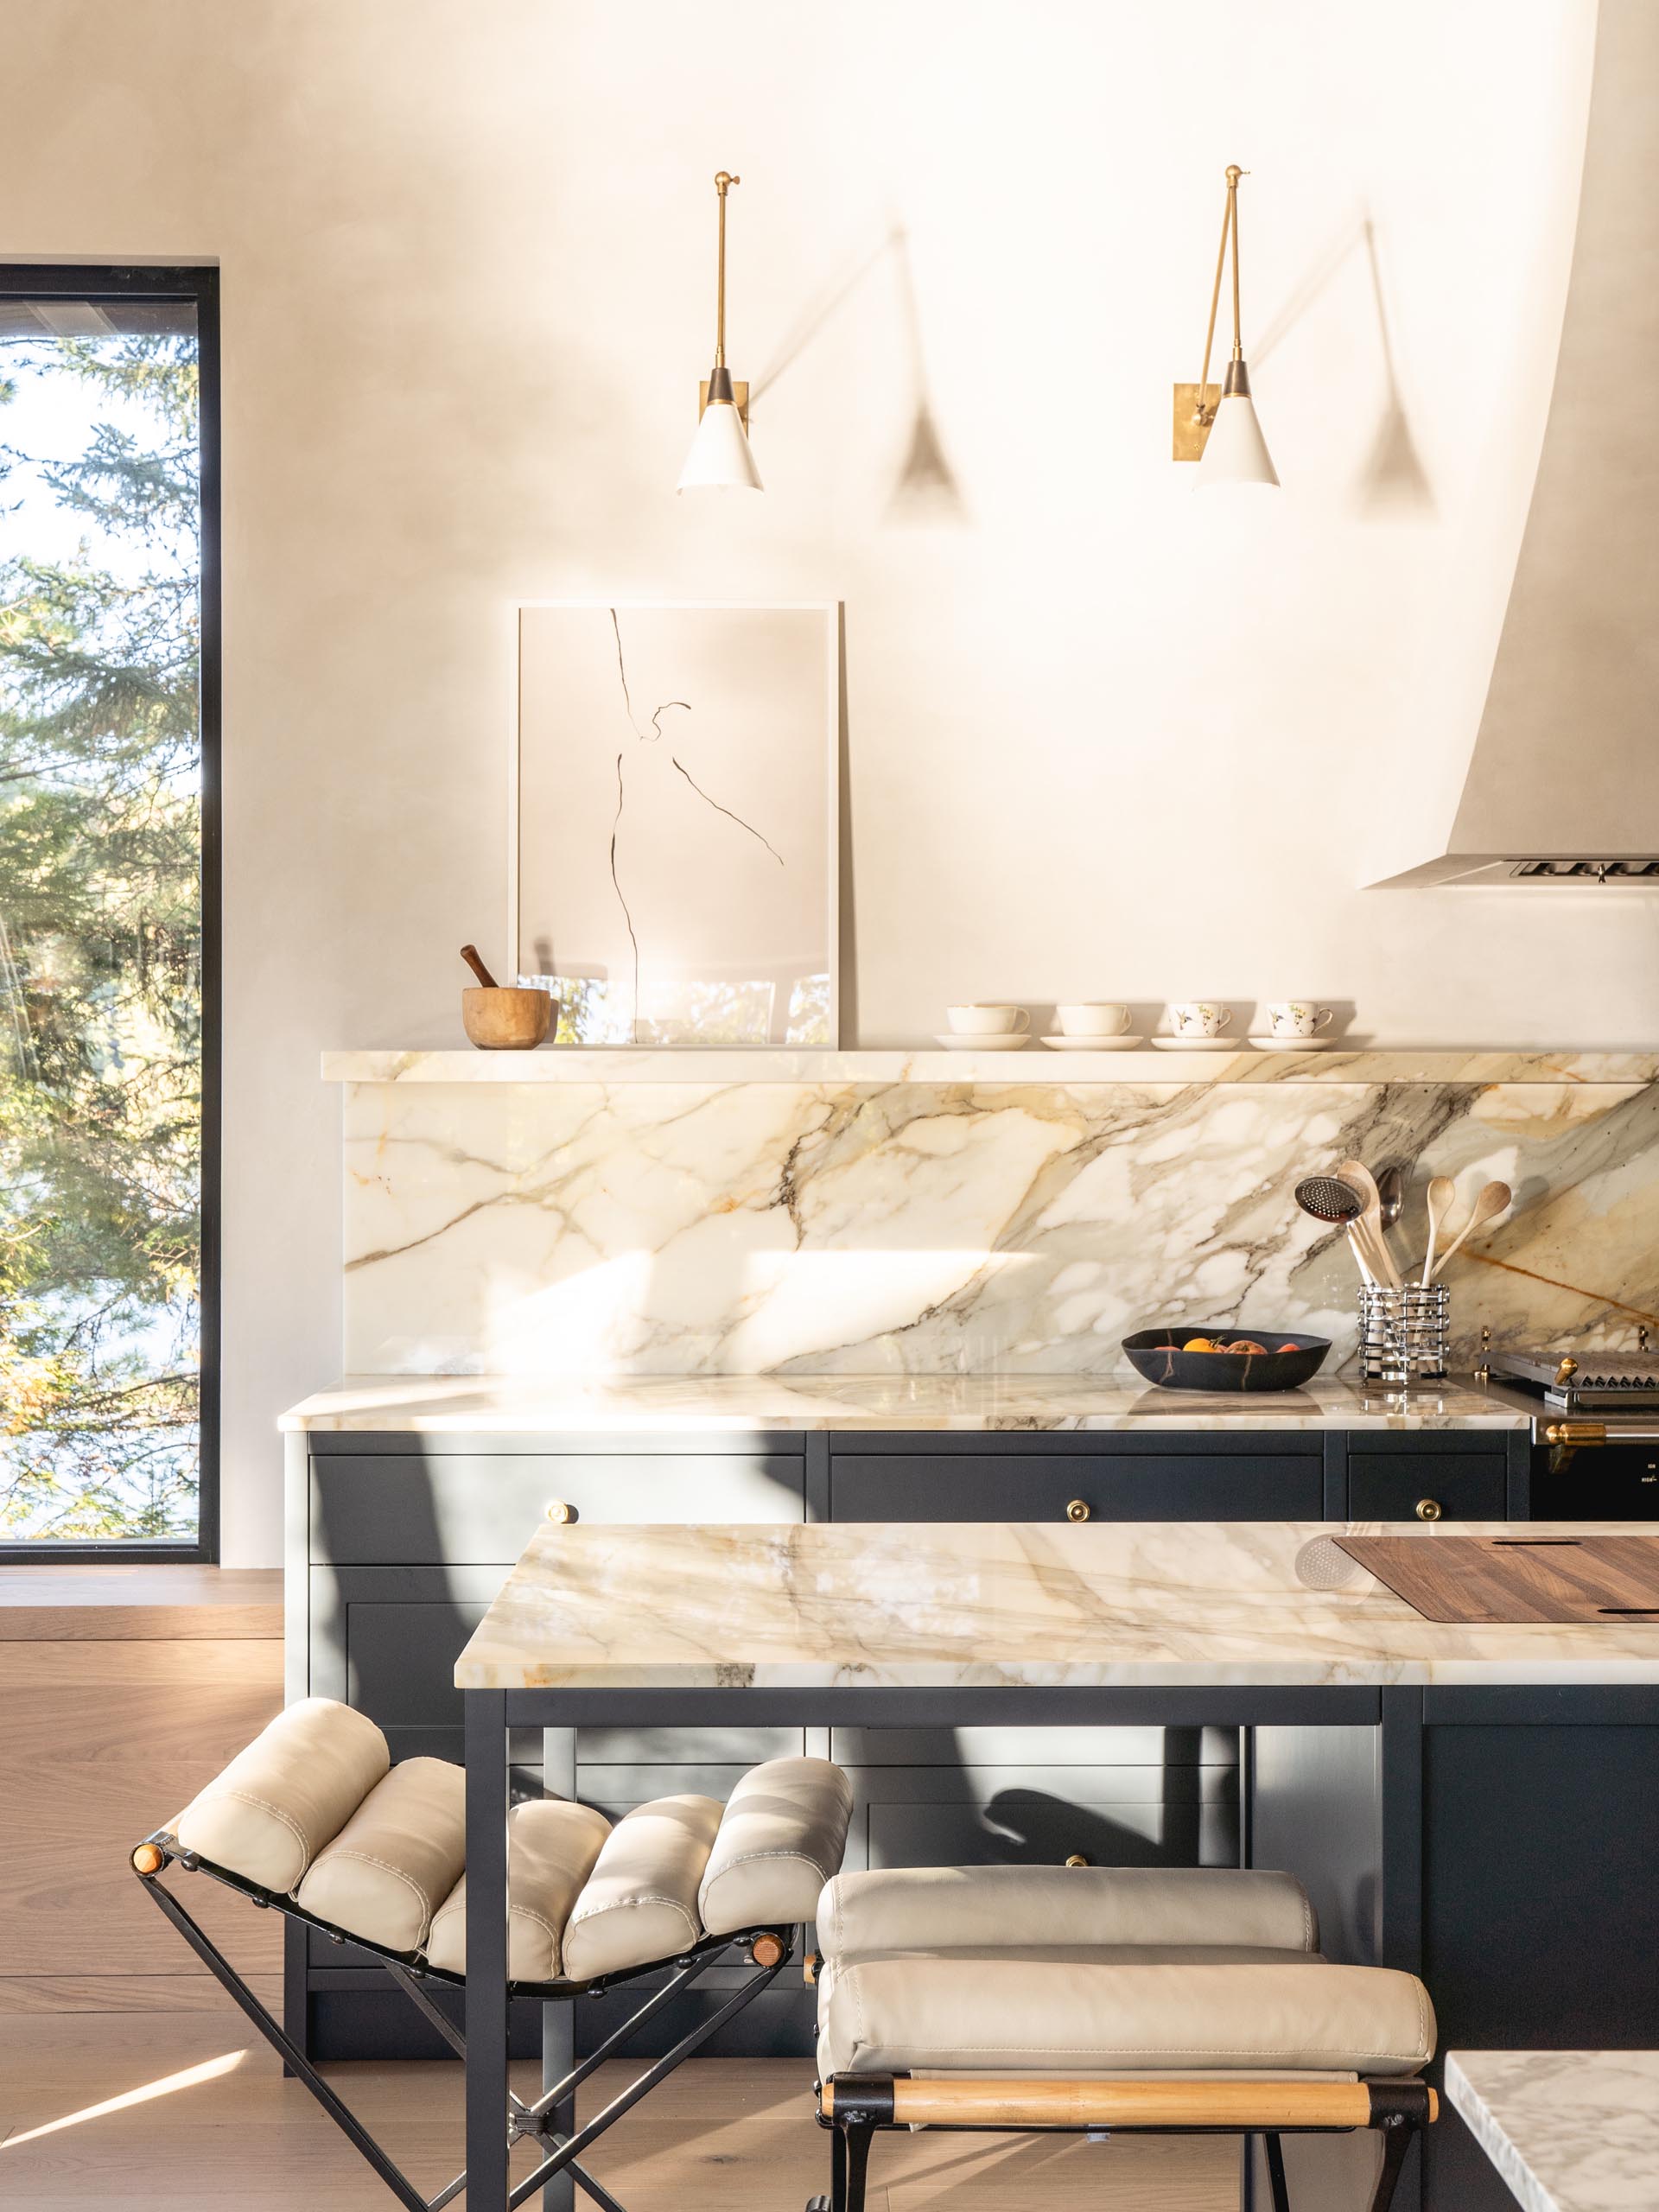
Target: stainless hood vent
1573 872
1553 776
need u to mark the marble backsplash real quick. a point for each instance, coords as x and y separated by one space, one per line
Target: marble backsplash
929 1227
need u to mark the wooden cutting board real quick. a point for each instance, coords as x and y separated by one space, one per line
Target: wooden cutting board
1511 1581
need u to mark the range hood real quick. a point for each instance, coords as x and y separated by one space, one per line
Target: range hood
1561 786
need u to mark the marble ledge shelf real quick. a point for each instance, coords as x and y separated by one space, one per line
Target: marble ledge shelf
622 1063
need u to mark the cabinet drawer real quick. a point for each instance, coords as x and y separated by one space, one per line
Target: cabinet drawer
1034 1815
395 1509
1033 1486
1389 1486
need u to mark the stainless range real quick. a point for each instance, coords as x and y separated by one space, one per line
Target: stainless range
1604 1405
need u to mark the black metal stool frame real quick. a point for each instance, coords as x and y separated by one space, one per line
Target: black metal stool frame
863 2104
151 1860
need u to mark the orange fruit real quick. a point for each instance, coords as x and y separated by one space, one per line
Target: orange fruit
1199 1343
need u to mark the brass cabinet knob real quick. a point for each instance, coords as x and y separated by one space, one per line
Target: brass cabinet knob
557 1509
1078 1510
1429 1508
1077 1859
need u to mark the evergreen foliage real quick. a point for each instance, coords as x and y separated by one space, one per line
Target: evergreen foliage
100 962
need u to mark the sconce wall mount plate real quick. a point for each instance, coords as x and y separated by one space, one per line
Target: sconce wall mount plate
740 398
1191 428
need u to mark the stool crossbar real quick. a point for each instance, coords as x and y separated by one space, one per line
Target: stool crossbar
855 2107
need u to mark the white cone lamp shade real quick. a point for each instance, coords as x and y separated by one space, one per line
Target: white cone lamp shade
720 459
1235 452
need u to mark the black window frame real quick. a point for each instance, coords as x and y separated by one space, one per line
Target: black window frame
99 283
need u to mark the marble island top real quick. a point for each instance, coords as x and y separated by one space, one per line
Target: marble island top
1570 2131
872 1605
434 1404
1035 1063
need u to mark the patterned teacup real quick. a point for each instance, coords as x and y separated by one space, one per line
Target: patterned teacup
1198 1017
1297 1017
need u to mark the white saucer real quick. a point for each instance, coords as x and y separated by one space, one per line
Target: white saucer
1120 1044
1290 1043
1003 1042
1196 1044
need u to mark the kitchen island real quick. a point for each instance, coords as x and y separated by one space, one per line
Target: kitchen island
409 1498
1474 1803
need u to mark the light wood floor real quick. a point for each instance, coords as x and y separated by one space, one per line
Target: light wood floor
123 1689
213 2124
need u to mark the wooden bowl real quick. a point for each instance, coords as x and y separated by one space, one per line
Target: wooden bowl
507 1018
1157 1354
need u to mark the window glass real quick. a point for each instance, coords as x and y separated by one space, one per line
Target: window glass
101 997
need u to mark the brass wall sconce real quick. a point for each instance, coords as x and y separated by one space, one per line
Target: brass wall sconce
720 459
1219 427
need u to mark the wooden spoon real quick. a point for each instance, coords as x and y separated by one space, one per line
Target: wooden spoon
469 954
1490 1200
1442 1191
1358 1177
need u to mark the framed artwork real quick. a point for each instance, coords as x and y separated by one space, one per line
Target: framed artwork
674 832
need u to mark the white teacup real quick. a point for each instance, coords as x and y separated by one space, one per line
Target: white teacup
1297 1017
988 1021
1198 1017
1098 1020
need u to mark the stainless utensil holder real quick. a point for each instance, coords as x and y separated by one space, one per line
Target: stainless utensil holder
1403 1333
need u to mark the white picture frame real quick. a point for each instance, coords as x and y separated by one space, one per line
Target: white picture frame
674 861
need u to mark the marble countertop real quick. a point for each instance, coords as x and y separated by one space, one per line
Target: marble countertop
1570 2131
825 1604
1035 1063
428 1404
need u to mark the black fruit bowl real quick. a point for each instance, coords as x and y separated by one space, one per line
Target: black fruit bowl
1157 1354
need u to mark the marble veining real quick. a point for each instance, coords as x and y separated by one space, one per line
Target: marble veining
842 1603
509 1405
1570 2131
909 1227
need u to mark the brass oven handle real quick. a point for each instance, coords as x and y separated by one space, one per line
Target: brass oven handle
1078 1510
1576 1432
1429 1508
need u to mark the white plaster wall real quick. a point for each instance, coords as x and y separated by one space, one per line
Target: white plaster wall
1103 739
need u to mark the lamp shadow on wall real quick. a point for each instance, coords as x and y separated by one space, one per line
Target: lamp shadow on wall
1392 480
926 488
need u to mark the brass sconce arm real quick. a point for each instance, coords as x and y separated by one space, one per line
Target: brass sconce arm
1204 412
723 182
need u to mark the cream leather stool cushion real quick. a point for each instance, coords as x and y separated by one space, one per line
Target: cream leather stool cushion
396 1859
551 1848
1008 1908
781 1838
996 2012
1098 1970
640 1901
271 1811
